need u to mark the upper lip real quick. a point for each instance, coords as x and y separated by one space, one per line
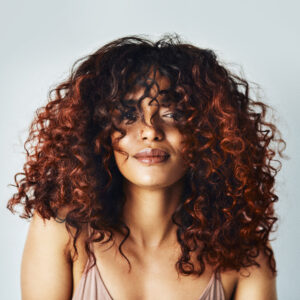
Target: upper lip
151 152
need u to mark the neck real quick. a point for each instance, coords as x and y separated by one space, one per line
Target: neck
148 214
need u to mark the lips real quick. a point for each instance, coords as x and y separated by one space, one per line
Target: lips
151 152
150 160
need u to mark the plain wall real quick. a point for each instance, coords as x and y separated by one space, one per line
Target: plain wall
40 40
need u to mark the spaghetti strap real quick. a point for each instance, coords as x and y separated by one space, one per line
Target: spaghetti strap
214 290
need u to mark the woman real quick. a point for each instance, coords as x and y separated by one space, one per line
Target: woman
149 175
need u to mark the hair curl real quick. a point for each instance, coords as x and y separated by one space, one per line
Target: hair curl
226 213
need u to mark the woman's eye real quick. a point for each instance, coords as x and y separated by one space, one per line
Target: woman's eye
170 115
131 116
128 115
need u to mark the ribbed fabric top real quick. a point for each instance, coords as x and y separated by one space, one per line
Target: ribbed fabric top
91 287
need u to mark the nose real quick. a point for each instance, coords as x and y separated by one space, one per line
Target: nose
147 130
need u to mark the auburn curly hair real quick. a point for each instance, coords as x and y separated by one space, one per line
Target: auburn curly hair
226 212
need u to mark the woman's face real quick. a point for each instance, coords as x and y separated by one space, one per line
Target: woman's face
147 171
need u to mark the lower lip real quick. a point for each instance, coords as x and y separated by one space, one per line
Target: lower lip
152 159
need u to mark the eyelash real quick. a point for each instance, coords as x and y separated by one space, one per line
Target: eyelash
130 113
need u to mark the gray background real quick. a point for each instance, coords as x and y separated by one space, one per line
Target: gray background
41 39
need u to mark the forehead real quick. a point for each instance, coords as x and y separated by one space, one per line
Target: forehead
153 85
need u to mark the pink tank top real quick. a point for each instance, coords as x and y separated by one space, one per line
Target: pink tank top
91 287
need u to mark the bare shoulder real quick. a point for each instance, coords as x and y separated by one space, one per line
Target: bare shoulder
46 257
256 282
52 231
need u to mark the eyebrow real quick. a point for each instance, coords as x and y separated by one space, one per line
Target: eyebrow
164 100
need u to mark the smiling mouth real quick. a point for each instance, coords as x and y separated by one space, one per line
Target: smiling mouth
153 159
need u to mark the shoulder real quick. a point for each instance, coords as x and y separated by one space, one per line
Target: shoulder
256 282
54 232
50 231
46 257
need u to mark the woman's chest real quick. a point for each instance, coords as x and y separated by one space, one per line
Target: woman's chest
151 283
149 276
158 281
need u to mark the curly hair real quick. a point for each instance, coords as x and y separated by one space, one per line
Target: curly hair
226 213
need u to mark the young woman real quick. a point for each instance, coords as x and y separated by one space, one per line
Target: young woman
149 175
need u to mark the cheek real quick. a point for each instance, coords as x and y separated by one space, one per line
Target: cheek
124 145
175 139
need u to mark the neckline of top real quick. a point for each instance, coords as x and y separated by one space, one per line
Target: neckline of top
204 292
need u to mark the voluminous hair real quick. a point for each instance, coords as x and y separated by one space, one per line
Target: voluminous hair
226 212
